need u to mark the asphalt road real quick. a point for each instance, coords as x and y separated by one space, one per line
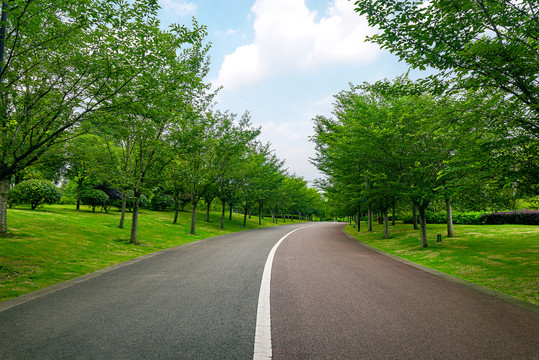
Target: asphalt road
331 298
198 301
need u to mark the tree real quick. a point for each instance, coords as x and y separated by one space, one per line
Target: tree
263 178
486 44
209 141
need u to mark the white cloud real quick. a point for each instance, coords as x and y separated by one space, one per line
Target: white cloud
178 7
287 37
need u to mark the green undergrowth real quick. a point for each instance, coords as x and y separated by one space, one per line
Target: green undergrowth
58 243
501 257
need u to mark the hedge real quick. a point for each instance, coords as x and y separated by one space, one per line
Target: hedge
521 217
467 218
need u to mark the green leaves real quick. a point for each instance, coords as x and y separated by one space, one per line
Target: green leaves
483 43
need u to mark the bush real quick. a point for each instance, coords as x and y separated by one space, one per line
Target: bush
15 197
94 198
468 218
162 202
521 217
34 193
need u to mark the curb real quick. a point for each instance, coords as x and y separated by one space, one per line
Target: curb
505 297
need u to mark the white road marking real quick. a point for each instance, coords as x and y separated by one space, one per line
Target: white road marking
263 315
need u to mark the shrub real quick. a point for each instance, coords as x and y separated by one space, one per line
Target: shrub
161 202
467 218
14 198
34 193
94 198
521 217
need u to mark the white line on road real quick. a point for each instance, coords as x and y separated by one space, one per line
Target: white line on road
263 314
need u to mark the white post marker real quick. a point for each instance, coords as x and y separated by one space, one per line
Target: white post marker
263 314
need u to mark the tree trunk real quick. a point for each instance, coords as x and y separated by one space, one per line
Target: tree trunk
423 222
6 181
134 223
230 212
193 218
208 211
244 217
386 225
122 214
260 210
393 214
79 190
176 211
4 195
369 209
450 232
223 203
358 217
272 217
414 216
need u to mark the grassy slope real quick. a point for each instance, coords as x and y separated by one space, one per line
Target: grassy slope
502 257
58 243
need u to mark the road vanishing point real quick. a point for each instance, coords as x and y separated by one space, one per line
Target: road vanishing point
297 291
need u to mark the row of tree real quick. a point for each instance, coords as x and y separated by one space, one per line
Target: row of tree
467 135
95 93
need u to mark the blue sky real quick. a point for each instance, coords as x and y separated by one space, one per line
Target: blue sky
283 60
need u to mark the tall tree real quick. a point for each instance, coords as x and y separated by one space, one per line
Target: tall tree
209 141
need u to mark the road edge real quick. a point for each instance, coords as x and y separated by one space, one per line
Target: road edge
502 296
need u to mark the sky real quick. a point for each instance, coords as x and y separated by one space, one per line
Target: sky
283 61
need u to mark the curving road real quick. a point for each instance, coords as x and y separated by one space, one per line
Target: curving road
331 298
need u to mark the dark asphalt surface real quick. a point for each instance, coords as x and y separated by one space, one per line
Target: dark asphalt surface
332 298
198 301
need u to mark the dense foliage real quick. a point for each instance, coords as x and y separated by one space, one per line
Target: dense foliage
465 218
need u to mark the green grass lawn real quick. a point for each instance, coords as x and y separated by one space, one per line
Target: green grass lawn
57 243
501 257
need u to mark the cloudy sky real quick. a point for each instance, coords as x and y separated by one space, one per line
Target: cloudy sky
283 60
